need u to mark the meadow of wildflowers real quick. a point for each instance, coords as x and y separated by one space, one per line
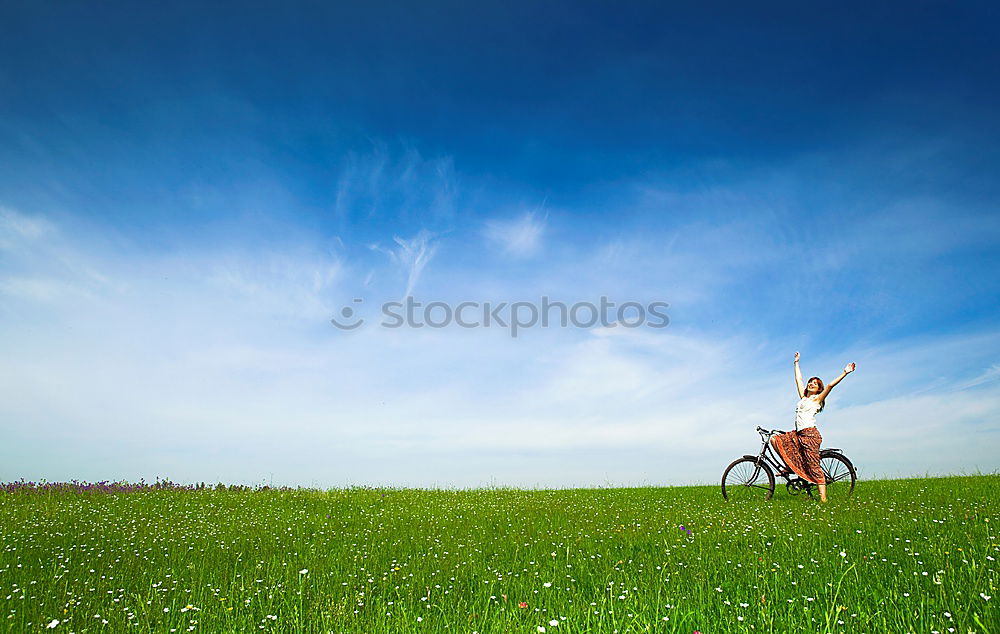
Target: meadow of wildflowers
899 556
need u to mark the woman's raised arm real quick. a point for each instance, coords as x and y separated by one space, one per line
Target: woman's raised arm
847 370
798 377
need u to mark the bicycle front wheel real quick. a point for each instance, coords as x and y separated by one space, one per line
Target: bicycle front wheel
840 473
747 479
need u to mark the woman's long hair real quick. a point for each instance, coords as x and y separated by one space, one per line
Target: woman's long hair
820 381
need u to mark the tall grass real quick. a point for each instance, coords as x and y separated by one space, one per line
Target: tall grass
898 556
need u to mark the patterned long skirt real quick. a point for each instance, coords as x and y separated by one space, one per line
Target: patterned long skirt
800 451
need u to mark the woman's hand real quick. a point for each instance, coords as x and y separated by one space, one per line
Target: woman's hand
799 387
849 368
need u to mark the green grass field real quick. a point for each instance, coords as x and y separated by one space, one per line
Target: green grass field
899 556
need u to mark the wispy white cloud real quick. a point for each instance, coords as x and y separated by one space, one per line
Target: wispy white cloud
989 375
41 263
294 281
21 226
411 255
386 184
518 237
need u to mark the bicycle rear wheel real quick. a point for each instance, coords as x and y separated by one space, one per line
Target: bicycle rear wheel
747 479
840 474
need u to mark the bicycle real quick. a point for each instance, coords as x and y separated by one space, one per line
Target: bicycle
752 477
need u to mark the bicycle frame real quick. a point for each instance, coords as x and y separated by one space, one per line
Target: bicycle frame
771 459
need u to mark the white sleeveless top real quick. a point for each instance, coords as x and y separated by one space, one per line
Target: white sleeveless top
805 412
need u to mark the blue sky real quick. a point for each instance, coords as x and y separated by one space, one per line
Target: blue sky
187 195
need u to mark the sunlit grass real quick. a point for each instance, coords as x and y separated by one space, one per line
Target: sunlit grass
899 556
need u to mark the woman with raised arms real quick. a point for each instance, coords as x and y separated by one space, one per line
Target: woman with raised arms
800 448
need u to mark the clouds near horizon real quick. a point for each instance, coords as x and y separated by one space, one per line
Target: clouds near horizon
123 352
